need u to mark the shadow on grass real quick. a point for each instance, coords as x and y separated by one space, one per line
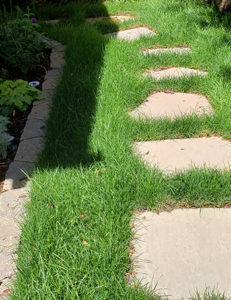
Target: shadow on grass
73 112
215 18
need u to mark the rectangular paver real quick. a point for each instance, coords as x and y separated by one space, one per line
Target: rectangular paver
182 154
184 251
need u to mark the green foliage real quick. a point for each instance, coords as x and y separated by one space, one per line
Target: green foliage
4 137
21 45
16 94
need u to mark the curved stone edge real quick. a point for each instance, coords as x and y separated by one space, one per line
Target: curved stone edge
12 213
31 142
14 197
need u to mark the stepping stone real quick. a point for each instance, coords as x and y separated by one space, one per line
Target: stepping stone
114 18
132 34
53 22
169 73
170 104
183 251
178 155
174 50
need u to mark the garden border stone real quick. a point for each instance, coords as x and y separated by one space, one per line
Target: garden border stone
31 142
15 194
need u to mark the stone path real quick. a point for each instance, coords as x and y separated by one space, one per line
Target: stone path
189 250
11 213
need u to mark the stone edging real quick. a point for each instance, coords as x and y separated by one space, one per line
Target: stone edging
31 142
14 197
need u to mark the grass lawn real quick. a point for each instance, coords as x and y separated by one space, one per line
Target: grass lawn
88 183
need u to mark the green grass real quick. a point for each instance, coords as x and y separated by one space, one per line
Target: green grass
88 167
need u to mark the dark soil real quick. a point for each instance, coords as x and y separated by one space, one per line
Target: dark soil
19 118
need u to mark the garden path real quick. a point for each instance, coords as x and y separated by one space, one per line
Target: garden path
188 250
178 252
185 251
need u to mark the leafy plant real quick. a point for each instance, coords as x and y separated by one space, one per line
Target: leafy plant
16 94
21 45
4 137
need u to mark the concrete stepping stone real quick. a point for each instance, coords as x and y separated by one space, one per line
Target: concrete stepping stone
168 73
53 22
174 50
178 155
132 34
114 18
170 104
183 251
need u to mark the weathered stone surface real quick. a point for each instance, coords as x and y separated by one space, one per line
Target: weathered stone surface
59 48
56 46
183 251
46 95
113 18
40 111
9 233
54 73
29 149
6 283
6 265
34 128
15 175
182 154
132 34
12 203
170 104
50 83
173 73
53 22
174 50
57 60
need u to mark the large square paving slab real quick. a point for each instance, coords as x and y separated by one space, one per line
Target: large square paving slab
169 73
132 34
172 105
184 251
182 154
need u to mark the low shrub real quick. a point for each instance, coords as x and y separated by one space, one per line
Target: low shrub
4 137
16 94
21 45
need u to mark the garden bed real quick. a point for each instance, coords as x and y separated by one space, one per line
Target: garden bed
18 118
